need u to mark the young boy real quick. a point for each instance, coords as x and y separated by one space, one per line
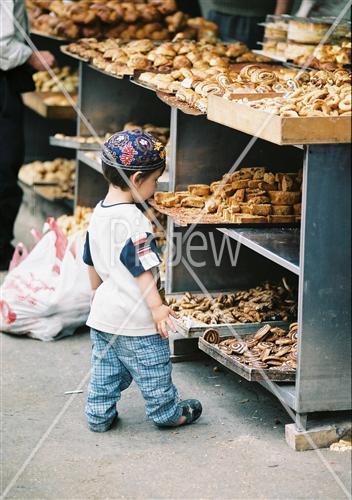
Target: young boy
128 319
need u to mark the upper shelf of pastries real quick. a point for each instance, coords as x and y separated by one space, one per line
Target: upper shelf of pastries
317 43
154 19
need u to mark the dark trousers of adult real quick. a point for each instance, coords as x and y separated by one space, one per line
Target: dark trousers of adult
11 159
238 28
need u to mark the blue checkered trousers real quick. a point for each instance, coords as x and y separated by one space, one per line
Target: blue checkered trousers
116 361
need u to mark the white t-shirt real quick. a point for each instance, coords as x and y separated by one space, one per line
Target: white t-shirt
120 246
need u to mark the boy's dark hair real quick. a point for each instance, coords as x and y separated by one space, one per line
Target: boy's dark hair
114 177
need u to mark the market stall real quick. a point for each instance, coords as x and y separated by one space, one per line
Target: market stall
268 179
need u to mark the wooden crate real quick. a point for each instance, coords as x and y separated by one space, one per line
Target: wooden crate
251 374
35 101
276 129
192 329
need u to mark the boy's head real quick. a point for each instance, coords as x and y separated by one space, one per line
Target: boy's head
133 161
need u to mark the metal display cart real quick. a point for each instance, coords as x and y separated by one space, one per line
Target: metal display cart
317 255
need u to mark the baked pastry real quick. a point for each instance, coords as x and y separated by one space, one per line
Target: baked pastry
193 202
160 196
199 189
284 198
282 210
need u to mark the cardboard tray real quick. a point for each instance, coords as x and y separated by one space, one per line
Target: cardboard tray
63 49
187 216
35 101
251 374
51 37
277 129
171 100
118 77
190 328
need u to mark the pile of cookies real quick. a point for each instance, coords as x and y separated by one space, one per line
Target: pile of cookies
327 94
248 195
72 224
154 19
268 302
269 348
66 76
59 171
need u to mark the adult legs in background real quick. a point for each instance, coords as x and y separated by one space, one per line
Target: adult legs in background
11 159
108 378
238 28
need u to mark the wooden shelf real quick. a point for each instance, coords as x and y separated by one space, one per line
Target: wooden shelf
277 129
71 143
35 101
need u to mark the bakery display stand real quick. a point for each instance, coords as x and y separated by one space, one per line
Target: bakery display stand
318 253
201 152
40 122
317 256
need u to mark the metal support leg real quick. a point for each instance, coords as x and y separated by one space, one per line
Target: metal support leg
323 380
301 421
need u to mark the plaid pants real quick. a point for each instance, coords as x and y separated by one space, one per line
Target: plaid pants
116 361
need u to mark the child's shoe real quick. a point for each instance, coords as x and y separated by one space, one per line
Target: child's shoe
191 409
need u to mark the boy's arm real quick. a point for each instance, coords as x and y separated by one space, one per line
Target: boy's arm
95 281
160 312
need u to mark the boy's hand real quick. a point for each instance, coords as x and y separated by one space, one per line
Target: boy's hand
161 316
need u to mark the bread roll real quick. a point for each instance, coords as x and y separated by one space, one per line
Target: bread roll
199 189
284 197
281 209
263 209
193 202
240 184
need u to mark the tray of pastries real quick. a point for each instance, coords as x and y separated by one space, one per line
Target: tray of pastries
316 111
192 87
54 172
328 57
119 58
65 76
79 221
247 196
154 19
195 312
269 352
78 141
94 142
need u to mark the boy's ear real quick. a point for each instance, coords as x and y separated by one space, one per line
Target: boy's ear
136 178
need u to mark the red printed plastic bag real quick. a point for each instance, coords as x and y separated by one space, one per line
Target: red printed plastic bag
47 291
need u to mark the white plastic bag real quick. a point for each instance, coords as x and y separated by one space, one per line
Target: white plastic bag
46 291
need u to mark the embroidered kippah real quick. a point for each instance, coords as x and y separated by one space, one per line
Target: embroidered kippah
133 150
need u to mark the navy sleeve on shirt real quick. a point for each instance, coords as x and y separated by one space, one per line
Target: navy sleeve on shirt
87 258
140 254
